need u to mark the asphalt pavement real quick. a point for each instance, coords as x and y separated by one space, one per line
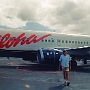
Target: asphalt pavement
16 74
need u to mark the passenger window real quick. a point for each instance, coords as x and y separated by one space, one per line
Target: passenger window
48 40
69 41
7 38
19 39
2 38
45 40
10 38
34 40
23 39
72 41
14 38
78 42
27 39
62 41
42 40
58 40
66 41
52 40
75 41
81 42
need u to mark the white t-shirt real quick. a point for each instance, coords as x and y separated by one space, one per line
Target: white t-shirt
65 60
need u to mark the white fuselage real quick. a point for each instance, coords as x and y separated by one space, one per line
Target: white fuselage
34 40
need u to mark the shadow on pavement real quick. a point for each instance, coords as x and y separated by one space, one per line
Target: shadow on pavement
57 87
39 67
32 67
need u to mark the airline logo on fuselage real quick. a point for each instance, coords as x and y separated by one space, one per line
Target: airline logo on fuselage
8 41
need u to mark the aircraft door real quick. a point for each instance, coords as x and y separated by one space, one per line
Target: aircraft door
58 42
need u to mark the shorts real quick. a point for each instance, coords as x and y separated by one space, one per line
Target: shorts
65 68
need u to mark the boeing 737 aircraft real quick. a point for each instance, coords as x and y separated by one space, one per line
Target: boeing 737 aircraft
45 47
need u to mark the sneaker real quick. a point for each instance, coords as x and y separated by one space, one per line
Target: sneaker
65 83
68 83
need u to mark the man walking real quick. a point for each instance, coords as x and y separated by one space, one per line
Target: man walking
65 63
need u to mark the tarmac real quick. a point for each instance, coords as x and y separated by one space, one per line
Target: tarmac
16 74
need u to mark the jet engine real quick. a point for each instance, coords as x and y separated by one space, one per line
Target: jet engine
48 56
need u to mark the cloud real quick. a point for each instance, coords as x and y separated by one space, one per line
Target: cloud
71 16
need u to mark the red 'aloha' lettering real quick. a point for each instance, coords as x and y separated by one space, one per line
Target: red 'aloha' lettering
8 41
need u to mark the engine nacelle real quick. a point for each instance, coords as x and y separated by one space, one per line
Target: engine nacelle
48 56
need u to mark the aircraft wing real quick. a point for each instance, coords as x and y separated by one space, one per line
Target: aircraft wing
80 52
25 55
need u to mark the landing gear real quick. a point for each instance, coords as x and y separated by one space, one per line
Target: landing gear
73 64
85 61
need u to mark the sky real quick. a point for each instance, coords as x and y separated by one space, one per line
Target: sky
63 16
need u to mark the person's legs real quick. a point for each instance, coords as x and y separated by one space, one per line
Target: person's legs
63 69
66 75
65 78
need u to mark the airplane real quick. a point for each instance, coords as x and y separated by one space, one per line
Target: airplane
43 46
